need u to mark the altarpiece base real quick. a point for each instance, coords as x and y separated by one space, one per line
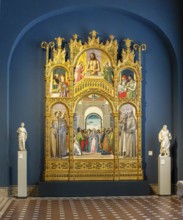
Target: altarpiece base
93 188
93 110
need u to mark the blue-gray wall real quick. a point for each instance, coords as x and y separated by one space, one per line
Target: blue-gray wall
25 24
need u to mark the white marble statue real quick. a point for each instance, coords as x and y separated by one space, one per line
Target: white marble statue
164 137
22 137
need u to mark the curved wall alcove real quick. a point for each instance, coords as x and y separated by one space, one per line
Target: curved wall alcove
26 77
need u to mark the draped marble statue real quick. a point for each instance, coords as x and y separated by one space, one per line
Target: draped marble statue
22 137
164 137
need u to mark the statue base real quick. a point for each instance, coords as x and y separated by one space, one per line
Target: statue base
164 175
22 173
93 188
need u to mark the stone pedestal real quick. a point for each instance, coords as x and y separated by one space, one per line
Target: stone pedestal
22 173
164 175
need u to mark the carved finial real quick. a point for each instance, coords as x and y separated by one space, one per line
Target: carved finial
44 45
93 34
128 54
128 42
59 41
111 37
75 36
140 48
47 47
144 47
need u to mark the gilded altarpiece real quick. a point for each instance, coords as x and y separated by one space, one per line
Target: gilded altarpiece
93 110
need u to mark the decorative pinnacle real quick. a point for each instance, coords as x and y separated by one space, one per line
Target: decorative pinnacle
93 33
59 41
75 36
128 42
111 37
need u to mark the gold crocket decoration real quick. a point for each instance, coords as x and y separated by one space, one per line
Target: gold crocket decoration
93 109
59 53
128 54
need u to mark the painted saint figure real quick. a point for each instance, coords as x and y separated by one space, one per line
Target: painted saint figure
101 139
164 137
22 137
108 73
56 82
131 127
111 139
62 135
77 148
53 138
122 88
93 141
93 67
131 88
63 87
122 134
79 136
78 73
106 143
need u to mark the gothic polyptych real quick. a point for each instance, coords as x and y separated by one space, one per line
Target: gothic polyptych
93 109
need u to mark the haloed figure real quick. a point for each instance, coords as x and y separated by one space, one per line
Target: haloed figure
62 132
108 73
131 127
78 74
93 141
131 87
54 138
93 66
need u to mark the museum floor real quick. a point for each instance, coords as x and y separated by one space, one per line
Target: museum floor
83 208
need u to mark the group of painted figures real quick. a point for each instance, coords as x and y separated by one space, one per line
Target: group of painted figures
59 135
126 86
93 141
90 141
93 68
60 85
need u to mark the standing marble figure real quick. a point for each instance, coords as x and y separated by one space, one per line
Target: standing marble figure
164 137
22 137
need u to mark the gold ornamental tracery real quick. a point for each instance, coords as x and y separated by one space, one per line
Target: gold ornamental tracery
93 110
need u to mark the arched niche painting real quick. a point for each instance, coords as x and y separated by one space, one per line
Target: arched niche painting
93 63
93 128
127 84
59 138
59 83
127 131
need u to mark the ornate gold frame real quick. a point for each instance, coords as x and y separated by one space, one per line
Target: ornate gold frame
71 168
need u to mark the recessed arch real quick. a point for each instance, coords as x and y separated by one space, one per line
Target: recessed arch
93 104
93 118
11 73
90 111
